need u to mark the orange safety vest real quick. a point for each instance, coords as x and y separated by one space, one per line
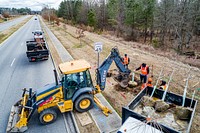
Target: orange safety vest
150 85
146 85
164 87
144 70
125 60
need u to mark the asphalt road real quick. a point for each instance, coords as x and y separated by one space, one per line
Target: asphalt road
7 25
17 73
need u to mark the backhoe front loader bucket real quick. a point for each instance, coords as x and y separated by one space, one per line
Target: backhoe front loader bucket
18 117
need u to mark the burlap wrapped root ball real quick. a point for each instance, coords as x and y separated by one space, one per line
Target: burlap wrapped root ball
147 101
161 106
183 113
132 84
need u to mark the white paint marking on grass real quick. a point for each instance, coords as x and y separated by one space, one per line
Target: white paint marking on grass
12 62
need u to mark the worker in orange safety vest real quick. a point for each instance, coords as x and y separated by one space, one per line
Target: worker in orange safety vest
163 85
126 60
144 72
148 84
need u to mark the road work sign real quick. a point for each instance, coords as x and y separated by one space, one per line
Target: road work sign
98 47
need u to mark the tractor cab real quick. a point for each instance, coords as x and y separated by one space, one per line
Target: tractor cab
76 76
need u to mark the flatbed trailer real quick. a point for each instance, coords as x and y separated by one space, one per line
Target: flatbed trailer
172 98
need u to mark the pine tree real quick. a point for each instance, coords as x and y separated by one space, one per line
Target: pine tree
91 17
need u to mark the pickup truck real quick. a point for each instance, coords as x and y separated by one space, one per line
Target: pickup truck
37 48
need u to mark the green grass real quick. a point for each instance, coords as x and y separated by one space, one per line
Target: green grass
2 35
79 45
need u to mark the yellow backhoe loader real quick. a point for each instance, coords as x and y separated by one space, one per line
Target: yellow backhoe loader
74 91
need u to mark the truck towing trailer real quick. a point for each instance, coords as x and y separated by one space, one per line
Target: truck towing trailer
37 48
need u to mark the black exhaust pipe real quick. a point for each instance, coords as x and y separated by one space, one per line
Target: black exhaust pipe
56 76
30 92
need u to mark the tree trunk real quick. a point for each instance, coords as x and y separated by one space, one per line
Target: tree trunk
145 30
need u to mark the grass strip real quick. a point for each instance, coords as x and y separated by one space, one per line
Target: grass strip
6 33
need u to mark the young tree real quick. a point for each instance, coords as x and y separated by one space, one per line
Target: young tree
6 14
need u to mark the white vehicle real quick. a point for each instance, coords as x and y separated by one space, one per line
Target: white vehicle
38 34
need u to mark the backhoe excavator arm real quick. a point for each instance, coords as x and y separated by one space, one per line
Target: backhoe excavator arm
102 71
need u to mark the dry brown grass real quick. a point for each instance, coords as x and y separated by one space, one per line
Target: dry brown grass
119 97
6 33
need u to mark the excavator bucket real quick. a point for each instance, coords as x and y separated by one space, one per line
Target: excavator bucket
17 121
121 80
124 83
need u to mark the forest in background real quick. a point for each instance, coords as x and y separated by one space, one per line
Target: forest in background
173 24
6 12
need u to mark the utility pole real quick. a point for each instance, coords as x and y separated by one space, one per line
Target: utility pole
48 8
49 13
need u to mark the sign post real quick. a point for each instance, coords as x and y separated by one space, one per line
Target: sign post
98 46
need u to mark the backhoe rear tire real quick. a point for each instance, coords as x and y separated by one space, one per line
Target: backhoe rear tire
84 103
47 116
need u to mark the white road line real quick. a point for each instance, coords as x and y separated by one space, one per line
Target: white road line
12 62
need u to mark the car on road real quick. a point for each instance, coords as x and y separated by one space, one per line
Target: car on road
38 34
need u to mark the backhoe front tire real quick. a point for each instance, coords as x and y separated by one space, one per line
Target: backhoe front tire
47 116
84 103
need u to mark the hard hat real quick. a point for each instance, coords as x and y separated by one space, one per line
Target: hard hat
143 65
150 80
163 82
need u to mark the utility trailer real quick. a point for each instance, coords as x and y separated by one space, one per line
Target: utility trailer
171 98
37 48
